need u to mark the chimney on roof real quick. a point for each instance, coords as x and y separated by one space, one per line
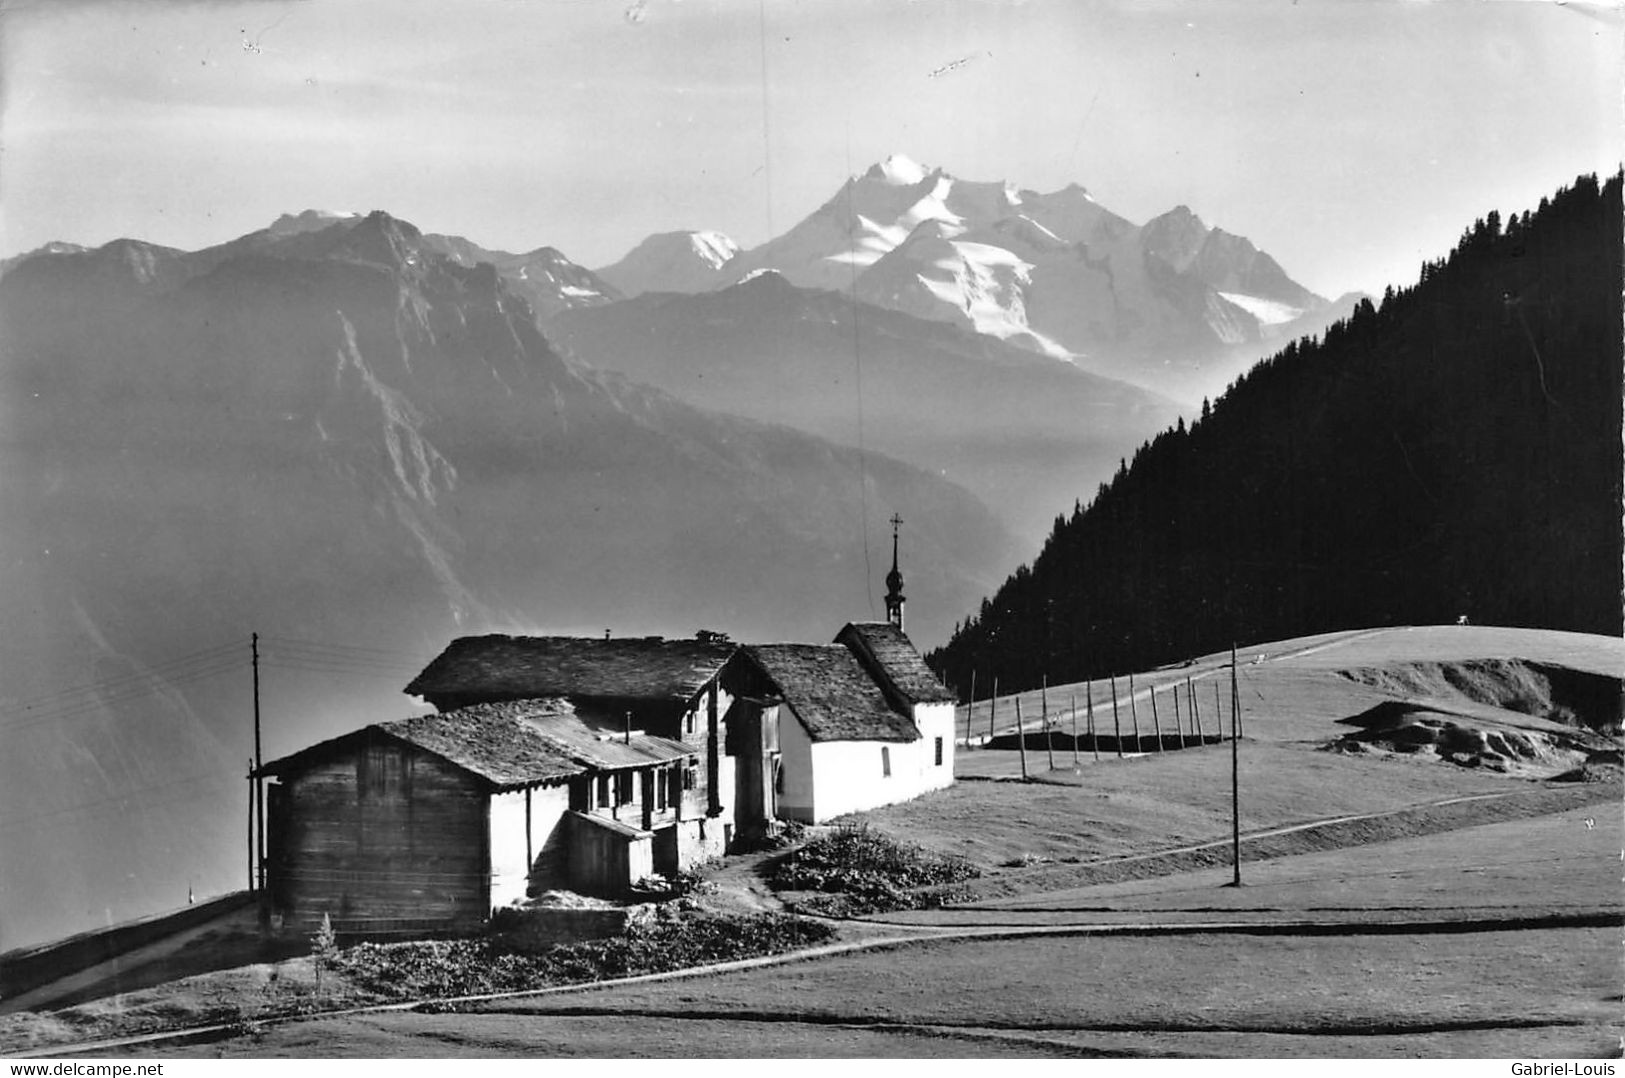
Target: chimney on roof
894 580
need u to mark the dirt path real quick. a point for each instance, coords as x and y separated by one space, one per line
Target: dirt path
742 887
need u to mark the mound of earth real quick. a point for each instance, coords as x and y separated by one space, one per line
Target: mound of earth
1518 745
1542 690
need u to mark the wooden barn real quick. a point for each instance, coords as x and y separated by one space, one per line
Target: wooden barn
431 822
822 730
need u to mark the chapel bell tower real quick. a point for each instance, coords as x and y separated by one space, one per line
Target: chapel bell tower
894 580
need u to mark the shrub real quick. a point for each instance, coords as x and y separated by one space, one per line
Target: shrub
669 941
869 871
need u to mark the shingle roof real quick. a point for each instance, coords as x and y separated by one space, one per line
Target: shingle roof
832 695
517 667
895 659
604 750
491 740
510 745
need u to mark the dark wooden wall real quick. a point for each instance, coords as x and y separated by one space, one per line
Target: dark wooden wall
380 838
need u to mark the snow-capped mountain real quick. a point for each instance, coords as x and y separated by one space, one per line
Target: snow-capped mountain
1173 303
672 262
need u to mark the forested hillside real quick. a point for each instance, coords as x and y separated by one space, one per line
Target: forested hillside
1453 452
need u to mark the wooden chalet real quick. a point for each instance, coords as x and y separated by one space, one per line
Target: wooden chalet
431 822
663 688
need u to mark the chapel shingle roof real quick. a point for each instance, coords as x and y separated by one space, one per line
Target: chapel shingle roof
831 693
895 660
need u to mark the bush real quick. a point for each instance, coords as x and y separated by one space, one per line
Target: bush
668 941
869 872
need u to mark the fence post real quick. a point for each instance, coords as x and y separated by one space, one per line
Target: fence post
970 708
1094 742
1134 713
1218 708
1117 725
1196 712
993 710
1073 698
1156 720
1043 703
1178 727
1021 738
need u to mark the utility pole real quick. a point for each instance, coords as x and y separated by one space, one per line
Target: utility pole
250 844
1235 773
259 783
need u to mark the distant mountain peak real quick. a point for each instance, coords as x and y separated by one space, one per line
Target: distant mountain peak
766 277
898 170
682 261
291 224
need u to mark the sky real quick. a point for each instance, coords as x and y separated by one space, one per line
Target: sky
1351 140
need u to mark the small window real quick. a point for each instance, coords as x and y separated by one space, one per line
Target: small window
691 776
603 791
688 723
660 790
939 752
885 761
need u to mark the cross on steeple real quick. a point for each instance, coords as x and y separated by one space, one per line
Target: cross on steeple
894 579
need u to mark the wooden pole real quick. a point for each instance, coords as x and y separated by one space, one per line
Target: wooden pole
1134 713
970 708
1178 727
1074 702
1235 772
993 710
1218 708
1196 712
1021 739
251 879
259 783
1156 720
1117 725
1094 742
1049 737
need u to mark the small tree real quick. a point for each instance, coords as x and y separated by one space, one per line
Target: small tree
324 948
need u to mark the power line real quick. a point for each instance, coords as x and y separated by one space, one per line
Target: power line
80 709
194 781
118 681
